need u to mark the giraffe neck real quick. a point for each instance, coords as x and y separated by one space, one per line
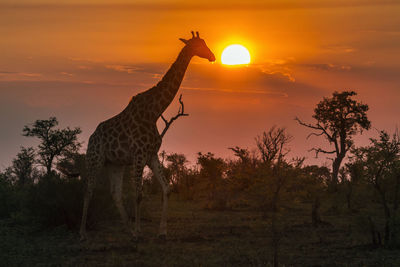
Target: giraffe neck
167 88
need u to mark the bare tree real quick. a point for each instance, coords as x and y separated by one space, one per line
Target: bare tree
181 112
338 119
242 153
272 145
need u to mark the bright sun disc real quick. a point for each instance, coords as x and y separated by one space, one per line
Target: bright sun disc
235 55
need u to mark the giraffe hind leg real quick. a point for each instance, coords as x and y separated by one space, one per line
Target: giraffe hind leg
155 166
91 183
116 180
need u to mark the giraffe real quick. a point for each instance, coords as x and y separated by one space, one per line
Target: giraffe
131 140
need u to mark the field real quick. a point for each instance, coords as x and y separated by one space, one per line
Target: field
200 237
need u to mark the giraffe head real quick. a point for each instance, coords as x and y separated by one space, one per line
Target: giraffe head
198 47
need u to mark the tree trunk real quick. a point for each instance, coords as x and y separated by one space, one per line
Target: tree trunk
315 216
49 164
386 211
48 169
375 236
275 201
348 196
395 208
335 170
275 240
387 224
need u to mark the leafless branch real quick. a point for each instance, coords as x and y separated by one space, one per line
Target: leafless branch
181 112
272 145
320 150
318 127
314 134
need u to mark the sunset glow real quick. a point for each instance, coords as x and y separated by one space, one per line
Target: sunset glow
217 132
235 55
82 61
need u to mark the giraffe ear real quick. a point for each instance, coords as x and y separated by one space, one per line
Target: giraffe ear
183 40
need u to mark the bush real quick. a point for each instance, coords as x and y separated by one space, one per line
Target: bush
8 202
55 201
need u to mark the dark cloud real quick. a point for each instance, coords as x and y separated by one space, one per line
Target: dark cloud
325 66
7 72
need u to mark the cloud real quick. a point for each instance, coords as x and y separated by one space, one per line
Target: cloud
123 68
11 75
66 73
325 66
7 72
239 91
339 49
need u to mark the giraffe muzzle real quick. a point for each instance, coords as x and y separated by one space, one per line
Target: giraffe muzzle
211 58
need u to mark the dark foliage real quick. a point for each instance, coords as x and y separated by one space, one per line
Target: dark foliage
338 119
53 142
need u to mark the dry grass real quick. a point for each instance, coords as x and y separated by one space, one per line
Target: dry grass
199 237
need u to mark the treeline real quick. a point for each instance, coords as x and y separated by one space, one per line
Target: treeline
47 183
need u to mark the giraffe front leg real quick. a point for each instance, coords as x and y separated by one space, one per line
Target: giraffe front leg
137 183
157 171
138 199
137 209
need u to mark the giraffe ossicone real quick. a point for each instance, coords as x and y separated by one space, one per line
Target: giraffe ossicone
131 139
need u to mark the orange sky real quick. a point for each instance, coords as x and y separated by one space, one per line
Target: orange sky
82 61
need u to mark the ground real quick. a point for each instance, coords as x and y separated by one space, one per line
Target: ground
199 237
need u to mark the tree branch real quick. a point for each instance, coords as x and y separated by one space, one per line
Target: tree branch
181 112
316 127
320 150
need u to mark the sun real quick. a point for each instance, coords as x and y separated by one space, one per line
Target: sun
235 54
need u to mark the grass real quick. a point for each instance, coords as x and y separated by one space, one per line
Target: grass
199 237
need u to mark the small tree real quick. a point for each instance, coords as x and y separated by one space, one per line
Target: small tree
23 166
338 119
53 142
211 174
381 168
272 146
176 169
72 165
242 153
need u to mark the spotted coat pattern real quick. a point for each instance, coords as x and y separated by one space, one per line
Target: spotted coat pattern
131 139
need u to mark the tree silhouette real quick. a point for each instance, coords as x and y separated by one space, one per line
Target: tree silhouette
380 166
338 119
23 166
53 142
211 173
272 146
72 165
176 166
242 153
